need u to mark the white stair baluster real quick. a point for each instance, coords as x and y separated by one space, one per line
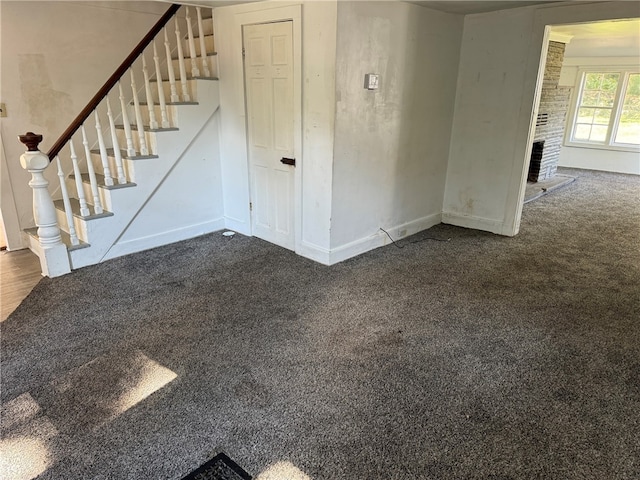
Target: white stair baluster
203 48
106 170
172 74
136 106
97 203
84 208
153 123
163 105
195 72
131 151
67 205
183 70
122 178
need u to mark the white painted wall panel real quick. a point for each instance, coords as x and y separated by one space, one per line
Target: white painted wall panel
189 200
599 159
391 144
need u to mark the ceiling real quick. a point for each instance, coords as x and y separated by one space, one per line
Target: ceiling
465 7
451 6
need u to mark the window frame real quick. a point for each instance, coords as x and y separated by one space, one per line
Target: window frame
616 110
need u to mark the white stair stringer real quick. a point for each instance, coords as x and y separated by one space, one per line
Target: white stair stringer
148 175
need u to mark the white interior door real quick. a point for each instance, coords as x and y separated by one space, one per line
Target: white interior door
268 67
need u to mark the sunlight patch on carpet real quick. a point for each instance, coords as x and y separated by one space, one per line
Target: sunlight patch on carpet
151 377
97 392
26 435
23 458
283 471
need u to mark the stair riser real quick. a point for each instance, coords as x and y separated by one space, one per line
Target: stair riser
103 194
209 45
192 90
79 224
207 26
150 138
99 168
34 244
211 61
146 117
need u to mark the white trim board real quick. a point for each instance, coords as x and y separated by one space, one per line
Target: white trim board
164 238
237 225
380 239
477 223
600 61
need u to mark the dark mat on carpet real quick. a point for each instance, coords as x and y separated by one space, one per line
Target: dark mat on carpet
220 467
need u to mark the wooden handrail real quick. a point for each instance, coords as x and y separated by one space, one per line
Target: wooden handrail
113 79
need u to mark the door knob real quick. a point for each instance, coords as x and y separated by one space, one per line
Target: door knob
288 161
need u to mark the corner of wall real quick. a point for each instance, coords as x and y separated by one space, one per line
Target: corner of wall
8 211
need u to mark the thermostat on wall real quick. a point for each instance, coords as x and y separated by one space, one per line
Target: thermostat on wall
371 81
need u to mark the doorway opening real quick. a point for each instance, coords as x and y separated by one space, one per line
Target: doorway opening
588 100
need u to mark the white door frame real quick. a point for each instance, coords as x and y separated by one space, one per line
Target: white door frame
8 209
524 172
270 15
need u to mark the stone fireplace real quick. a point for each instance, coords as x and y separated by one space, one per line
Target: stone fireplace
550 123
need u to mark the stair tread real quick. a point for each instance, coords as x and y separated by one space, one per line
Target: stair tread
100 181
66 239
196 36
157 104
188 56
189 77
75 209
123 153
147 128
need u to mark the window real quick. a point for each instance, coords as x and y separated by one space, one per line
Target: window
607 110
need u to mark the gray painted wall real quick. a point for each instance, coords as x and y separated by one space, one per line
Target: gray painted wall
392 144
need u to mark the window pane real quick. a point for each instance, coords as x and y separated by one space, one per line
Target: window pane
606 99
602 116
591 98
582 132
593 81
598 90
598 133
585 115
610 82
629 126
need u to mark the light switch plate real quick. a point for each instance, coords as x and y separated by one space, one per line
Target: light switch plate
371 81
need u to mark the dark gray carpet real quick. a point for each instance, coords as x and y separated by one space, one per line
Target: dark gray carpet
480 358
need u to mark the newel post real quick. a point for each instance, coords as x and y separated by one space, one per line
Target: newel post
54 258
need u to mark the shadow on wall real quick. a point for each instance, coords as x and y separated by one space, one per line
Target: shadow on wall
392 143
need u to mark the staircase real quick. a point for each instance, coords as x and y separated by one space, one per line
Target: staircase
125 143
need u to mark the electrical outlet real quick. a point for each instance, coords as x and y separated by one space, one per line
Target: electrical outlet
3 110
402 233
371 81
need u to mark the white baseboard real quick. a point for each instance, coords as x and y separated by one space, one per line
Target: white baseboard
380 238
236 225
314 252
164 238
476 223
